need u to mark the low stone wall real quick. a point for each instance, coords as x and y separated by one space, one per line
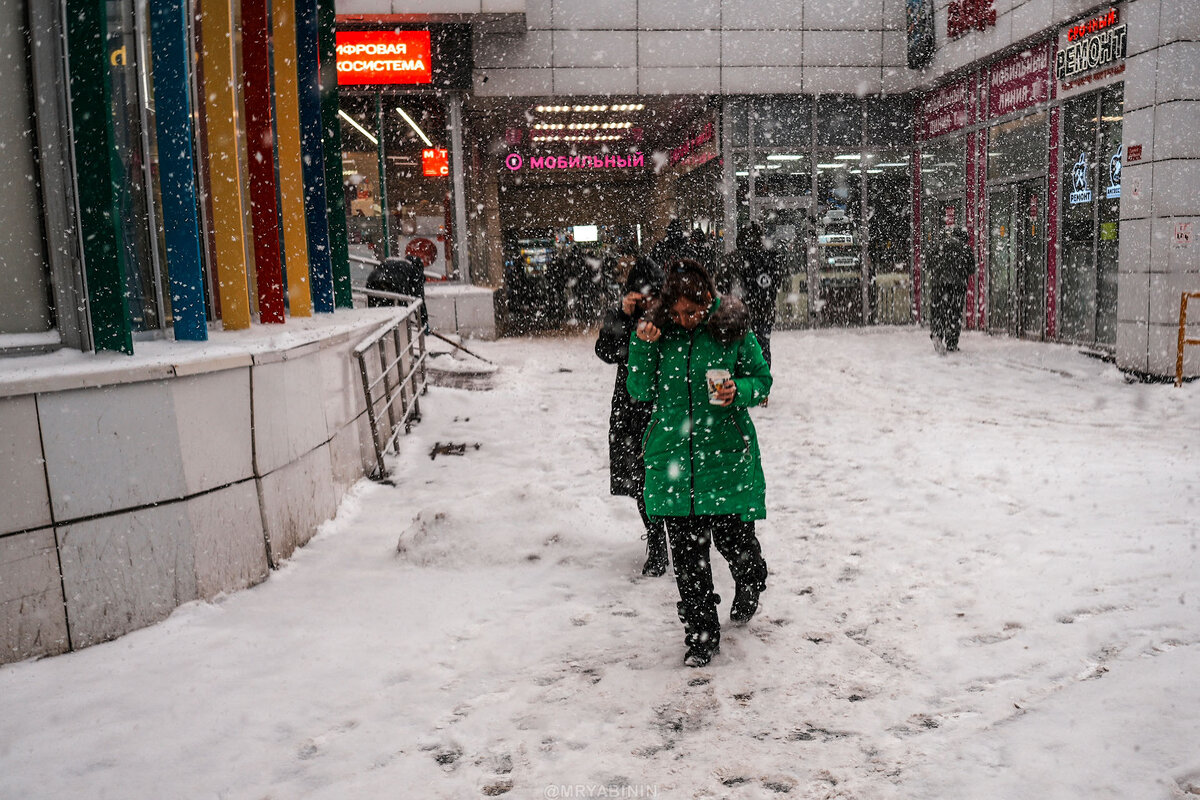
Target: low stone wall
130 487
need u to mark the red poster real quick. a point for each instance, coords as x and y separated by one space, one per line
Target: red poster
383 57
1019 81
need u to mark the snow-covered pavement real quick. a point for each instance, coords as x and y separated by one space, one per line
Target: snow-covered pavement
984 585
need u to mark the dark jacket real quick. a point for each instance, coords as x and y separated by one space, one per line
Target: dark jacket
400 276
951 262
759 273
627 418
702 459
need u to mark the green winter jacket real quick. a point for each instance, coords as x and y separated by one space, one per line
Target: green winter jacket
701 459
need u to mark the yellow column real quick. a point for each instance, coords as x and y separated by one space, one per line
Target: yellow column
225 174
287 145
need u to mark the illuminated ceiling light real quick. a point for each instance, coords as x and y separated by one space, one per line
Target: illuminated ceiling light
742 174
838 165
874 172
848 157
785 157
360 128
414 126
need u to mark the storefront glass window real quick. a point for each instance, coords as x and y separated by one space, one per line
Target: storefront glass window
889 122
889 237
403 209
944 167
1018 147
1091 181
839 121
782 121
839 247
25 306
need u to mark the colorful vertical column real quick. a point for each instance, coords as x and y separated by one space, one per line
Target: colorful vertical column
316 209
98 174
335 192
291 175
260 135
177 168
224 163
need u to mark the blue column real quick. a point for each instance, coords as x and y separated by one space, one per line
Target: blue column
173 122
316 207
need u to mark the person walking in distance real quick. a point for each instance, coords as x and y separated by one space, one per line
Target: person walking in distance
951 265
758 272
693 355
628 418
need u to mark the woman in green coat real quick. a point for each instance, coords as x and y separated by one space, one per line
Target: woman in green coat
703 469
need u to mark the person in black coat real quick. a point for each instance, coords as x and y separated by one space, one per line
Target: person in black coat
399 276
951 264
757 269
628 419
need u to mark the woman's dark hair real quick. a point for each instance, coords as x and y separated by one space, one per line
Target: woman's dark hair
687 280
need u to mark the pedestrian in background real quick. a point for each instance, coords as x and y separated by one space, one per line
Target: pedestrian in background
758 271
694 356
627 420
951 265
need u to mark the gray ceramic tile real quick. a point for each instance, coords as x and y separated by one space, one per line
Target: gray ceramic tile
212 412
512 51
679 49
24 499
843 15
679 80
295 500
229 552
673 15
33 618
592 15
595 48
131 429
842 49
762 48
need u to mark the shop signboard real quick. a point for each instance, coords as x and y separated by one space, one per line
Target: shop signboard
1019 81
945 110
515 162
384 57
696 151
1091 50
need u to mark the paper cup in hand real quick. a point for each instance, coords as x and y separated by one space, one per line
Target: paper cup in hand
716 378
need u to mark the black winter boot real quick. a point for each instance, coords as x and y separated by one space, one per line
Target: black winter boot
702 632
745 602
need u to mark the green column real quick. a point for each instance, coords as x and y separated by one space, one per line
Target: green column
97 172
331 128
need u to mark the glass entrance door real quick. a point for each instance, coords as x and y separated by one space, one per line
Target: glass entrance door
785 222
1017 259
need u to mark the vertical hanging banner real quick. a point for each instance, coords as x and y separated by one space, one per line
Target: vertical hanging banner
331 128
260 135
920 34
316 209
176 167
97 171
223 156
291 175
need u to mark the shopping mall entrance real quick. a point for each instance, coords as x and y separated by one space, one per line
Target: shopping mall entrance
1017 258
570 187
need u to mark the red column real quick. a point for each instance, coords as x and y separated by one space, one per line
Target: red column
1052 229
260 138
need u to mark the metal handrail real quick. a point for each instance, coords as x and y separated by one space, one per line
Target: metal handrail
1183 340
400 380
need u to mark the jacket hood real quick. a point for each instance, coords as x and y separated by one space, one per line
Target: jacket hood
645 277
729 321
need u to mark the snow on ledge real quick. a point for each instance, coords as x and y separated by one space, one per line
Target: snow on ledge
158 359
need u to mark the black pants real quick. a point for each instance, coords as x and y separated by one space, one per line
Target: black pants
690 553
762 332
946 310
656 534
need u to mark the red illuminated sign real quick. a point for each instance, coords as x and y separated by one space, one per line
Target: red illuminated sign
375 57
963 15
1092 25
434 163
